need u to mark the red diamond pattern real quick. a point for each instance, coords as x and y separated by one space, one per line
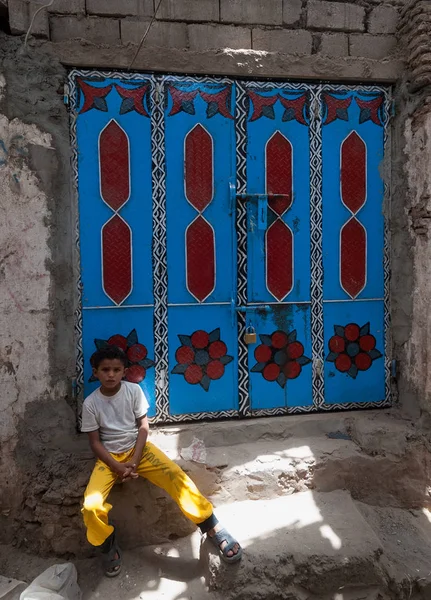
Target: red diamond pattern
353 173
279 238
200 258
353 239
199 168
200 239
114 166
117 259
279 259
115 191
279 172
353 257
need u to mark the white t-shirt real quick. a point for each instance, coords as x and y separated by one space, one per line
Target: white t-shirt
115 416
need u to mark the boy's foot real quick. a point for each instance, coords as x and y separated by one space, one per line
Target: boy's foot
229 548
111 569
111 557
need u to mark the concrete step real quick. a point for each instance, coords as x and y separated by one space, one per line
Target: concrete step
317 543
375 457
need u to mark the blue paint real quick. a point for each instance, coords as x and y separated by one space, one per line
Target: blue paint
368 386
94 213
211 314
102 323
217 315
297 217
335 214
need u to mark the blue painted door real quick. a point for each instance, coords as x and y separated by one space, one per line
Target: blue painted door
213 210
202 337
354 274
278 303
113 130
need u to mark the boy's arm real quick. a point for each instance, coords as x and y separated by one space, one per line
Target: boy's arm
141 440
101 452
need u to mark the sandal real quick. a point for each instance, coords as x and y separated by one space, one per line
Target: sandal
112 565
223 536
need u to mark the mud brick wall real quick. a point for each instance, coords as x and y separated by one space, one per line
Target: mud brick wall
314 30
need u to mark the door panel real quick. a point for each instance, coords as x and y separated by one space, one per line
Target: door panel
199 129
353 247
274 143
279 247
202 360
115 222
132 330
279 362
354 335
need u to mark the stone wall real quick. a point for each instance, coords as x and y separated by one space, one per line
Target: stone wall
412 208
43 462
349 40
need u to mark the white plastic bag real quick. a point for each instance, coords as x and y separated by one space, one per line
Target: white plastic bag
195 452
59 582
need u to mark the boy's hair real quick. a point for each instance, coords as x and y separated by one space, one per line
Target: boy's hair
110 353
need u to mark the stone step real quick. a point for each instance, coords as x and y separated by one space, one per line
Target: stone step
373 459
315 542
229 433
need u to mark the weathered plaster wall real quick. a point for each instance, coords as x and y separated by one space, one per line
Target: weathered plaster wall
411 210
36 352
418 212
43 462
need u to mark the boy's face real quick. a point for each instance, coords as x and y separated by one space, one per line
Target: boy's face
110 372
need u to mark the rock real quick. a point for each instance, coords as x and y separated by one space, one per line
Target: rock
317 541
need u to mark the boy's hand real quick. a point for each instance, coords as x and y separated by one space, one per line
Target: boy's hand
131 465
126 471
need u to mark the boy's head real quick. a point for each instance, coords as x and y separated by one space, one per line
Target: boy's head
108 353
109 367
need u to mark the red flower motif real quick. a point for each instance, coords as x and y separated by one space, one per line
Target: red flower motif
135 374
352 349
279 357
201 358
136 353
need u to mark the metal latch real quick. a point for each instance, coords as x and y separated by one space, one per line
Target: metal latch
262 206
259 307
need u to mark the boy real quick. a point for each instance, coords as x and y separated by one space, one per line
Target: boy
115 418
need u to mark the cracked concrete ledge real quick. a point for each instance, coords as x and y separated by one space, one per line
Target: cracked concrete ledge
228 62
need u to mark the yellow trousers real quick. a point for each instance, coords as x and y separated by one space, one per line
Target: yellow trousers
157 468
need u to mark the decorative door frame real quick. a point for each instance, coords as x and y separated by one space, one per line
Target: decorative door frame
160 274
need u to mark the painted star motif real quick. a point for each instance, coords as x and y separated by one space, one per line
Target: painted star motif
94 97
133 99
370 110
336 108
